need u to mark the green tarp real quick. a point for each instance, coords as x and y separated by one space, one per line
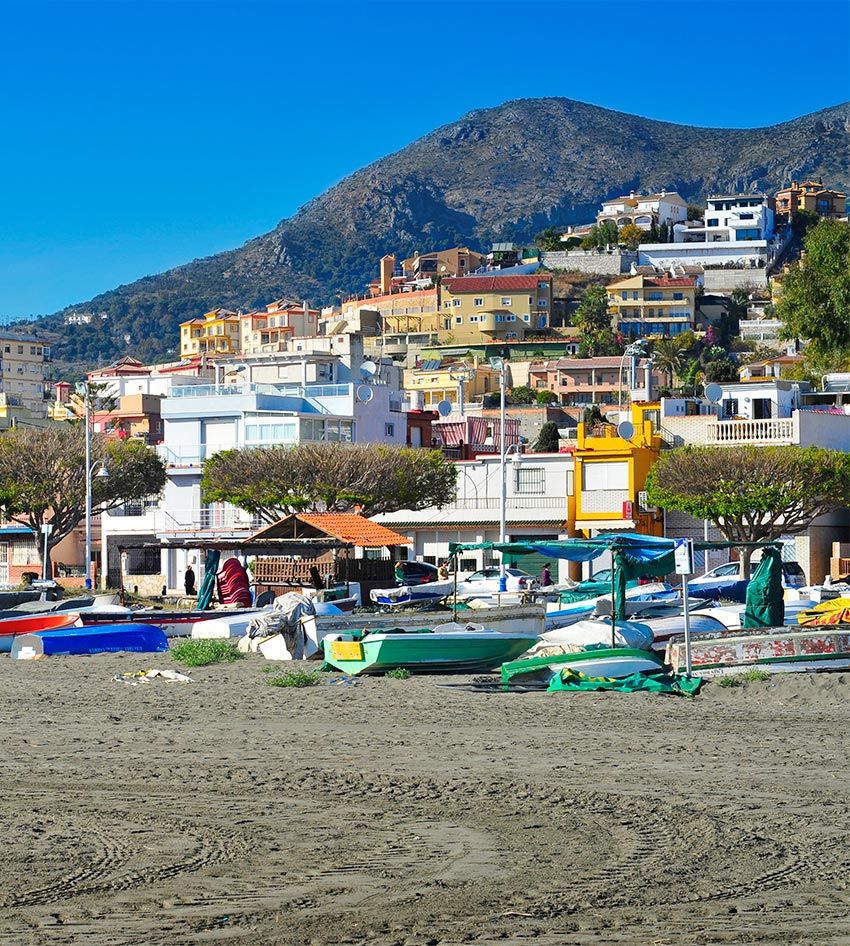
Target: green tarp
205 593
674 683
765 603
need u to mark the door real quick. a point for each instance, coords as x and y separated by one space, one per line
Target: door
4 563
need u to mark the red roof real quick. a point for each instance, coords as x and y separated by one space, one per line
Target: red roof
685 281
492 283
345 526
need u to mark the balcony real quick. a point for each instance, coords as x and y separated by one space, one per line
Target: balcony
771 431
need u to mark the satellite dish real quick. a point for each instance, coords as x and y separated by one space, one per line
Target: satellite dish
368 370
713 393
444 408
364 393
626 430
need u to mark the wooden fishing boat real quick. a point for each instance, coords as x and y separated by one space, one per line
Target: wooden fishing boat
777 650
30 623
601 662
448 648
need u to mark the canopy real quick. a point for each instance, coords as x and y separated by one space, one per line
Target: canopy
632 556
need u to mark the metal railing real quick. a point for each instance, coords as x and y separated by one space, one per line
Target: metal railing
254 387
768 430
513 502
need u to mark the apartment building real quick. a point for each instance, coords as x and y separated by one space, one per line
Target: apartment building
580 382
24 378
644 211
730 218
434 380
810 196
457 261
644 306
495 308
271 330
218 332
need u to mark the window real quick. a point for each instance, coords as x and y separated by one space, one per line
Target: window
20 349
678 296
458 319
530 480
600 475
389 430
634 294
507 300
456 303
473 318
543 286
542 303
25 553
143 561
730 407
526 318
479 301
712 222
654 296
447 304
32 349
624 294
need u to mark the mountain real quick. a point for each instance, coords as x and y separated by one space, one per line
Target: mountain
502 173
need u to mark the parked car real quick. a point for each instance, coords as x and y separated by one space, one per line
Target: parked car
417 573
728 576
486 580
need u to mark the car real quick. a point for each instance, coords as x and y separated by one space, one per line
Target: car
729 576
486 580
416 573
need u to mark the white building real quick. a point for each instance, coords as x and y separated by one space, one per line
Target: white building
538 485
201 419
645 211
738 218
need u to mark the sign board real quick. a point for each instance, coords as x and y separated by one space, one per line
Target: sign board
628 509
683 555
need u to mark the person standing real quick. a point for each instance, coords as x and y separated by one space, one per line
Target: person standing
545 576
189 581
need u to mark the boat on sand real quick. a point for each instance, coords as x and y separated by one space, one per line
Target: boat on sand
31 623
446 648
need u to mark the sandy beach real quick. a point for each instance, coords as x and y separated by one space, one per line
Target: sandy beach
395 812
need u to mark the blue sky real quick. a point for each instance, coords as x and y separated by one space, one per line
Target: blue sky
138 136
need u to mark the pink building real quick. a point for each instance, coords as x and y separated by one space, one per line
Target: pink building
580 382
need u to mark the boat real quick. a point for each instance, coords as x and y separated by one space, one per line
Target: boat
596 633
594 662
407 596
446 648
31 623
112 638
777 650
654 593
665 628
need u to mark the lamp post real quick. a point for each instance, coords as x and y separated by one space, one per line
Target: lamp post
635 349
46 529
463 374
102 473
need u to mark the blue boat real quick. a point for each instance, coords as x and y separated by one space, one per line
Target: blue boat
101 639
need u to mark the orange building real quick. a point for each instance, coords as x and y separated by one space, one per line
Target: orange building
811 196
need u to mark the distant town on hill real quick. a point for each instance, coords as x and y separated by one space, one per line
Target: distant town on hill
504 173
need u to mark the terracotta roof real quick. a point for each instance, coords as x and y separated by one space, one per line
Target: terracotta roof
344 526
685 281
492 283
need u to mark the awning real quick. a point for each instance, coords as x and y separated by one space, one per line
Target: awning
621 525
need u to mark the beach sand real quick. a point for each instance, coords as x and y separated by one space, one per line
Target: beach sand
395 812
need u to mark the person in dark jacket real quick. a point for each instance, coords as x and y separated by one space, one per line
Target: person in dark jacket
189 581
545 576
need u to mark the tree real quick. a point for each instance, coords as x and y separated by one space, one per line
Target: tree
632 236
549 239
546 397
592 312
521 394
752 494
607 234
695 212
665 233
669 357
815 299
591 239
43 477
548 440
272 481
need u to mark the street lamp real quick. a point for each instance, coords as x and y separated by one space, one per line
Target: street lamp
101 474
46 528
463 374
635 349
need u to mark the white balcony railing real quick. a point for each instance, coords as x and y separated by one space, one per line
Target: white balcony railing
513 502
779 430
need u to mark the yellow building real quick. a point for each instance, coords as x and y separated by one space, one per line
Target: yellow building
478 309
644 306
610 476
217 333
811 196
441 382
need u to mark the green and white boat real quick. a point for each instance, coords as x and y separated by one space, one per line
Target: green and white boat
614 662
447 648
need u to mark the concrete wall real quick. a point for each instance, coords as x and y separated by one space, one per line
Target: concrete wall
589 261
729 279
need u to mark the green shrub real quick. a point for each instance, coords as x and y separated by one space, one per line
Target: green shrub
400 673
295 678
199 653
748 676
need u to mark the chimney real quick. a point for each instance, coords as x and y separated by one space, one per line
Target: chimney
387 269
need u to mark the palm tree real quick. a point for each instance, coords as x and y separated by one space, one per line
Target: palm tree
668 357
